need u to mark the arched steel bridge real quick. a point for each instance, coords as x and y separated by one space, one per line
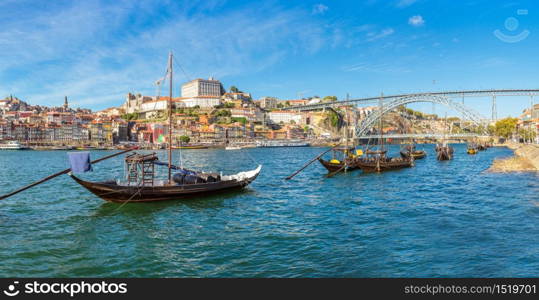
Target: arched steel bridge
391 102
425 136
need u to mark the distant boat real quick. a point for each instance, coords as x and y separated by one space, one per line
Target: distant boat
444 151
471 150
282 143
12 145
190 147
410 150
232 148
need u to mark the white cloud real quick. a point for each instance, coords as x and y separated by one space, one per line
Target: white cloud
405 3
416 21
94 54
374 35
380 68
319 9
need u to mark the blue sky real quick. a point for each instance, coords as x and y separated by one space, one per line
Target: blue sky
96 51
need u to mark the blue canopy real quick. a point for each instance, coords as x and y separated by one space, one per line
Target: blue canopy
80 162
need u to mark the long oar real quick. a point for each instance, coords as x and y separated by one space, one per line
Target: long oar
333 173
310 162
60 173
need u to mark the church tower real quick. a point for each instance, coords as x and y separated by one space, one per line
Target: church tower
65 104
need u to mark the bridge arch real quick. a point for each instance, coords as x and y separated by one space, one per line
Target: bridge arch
468 113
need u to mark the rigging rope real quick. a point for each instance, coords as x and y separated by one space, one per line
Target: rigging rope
181 68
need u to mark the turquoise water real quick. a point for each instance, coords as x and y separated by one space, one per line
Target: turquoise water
437 219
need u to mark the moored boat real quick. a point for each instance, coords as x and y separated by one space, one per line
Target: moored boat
377 161
471 150
410 150
12 145
281 143
141 185
232 148
343 161
191 146
444 152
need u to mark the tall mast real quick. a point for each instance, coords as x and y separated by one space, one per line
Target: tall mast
170 120
380 107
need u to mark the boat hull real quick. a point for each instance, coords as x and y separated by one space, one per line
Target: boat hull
191 147
332 167
420 154
444 153
381 166
112 192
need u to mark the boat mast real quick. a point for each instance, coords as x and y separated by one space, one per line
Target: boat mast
380 107
445 131
170 120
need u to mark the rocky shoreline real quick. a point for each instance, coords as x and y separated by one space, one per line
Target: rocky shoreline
526 159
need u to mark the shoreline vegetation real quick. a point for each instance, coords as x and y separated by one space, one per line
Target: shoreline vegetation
525 159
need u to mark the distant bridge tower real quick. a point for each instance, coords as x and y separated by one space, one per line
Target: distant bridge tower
494 112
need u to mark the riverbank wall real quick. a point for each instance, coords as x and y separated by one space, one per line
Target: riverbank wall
526 159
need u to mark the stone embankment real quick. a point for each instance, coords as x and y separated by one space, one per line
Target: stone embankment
526 159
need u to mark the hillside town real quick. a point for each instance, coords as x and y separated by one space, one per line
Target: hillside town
205 113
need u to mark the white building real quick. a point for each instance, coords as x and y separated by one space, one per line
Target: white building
250 114
205 93
200 101
268 102
202 87
284 117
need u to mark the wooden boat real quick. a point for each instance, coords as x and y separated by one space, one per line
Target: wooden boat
410 150
444 152
343 159
147 189
471 151
377 161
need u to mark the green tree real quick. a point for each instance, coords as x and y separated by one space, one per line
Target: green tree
329 99
527 134
333 118
242 120
491 129
234 89
184 139
505 127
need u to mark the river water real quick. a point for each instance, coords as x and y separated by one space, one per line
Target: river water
437 219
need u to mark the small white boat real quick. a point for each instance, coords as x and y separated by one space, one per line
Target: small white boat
282 143
232 148
12 145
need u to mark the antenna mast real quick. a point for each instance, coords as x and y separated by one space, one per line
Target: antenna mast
170 120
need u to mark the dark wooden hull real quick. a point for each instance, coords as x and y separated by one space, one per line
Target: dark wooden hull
383 165
331 167
418 154
112 192
444 153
